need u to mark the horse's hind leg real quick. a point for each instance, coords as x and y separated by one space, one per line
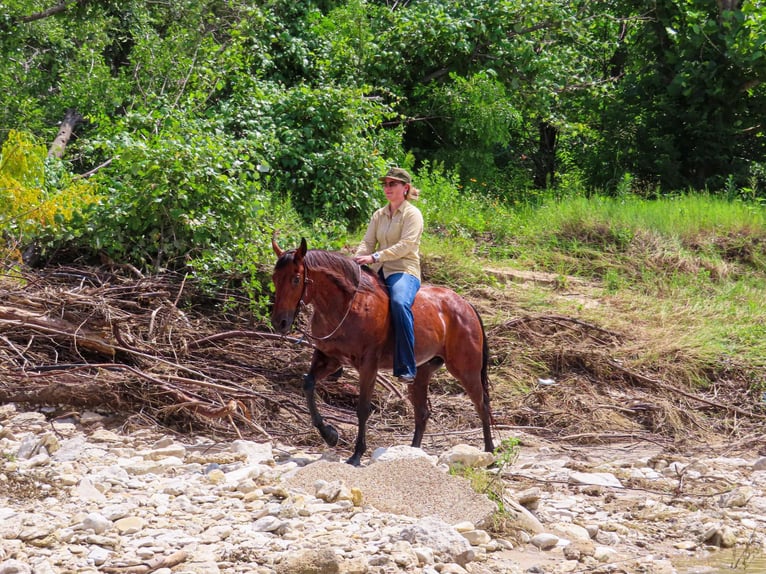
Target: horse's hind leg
418 395
486 422
477 392
472 375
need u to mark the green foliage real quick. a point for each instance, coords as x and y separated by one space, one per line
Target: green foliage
352 41
245 264
453 209
53 64
209 112
478 118
173 195
324 146
489 481
691 98
329 152
37 202
456 72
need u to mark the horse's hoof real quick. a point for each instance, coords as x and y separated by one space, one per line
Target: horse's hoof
330 435
354 461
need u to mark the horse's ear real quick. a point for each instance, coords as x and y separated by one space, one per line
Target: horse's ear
303 248
274 246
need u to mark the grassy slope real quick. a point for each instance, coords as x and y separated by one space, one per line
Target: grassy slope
683 279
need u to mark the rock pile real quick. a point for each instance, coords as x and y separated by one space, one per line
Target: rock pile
99 501
76 497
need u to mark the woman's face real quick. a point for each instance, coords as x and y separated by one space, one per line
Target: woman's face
394 189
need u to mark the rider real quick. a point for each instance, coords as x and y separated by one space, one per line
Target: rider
395 230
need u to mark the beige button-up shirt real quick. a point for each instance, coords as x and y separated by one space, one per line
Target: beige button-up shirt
397 239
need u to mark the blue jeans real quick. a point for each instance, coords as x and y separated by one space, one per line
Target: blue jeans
402 288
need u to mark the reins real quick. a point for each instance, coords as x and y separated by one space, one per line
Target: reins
306 281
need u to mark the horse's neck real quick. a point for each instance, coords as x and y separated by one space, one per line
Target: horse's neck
328 296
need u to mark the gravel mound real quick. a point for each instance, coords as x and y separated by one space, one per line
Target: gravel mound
410 487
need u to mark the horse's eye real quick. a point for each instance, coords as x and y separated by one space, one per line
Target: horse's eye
296 280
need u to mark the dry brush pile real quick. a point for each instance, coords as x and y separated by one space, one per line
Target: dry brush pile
152 350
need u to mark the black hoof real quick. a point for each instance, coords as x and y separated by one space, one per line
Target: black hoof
354 460
329 434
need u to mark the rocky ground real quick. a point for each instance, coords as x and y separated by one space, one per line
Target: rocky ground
201 458
83 494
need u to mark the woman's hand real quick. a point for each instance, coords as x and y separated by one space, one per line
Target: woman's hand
364 259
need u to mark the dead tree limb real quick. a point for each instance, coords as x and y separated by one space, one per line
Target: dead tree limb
657 383
71 119
52 11
246 334
57 327
94 171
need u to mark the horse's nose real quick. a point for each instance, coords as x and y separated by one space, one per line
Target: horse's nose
282 322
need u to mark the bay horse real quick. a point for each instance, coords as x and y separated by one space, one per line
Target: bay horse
351 325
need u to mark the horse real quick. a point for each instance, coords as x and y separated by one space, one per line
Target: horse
351 325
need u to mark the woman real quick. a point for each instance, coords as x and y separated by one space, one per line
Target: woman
391 245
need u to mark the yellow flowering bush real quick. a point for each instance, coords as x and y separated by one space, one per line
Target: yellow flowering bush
29 207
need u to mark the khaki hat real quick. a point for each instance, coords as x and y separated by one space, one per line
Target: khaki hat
398 174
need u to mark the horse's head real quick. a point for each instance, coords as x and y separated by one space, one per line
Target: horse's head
289 279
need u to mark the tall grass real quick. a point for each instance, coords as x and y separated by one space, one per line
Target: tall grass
687 233
680 215
453 210
690 269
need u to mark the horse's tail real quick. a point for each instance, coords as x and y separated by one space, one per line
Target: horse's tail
484 365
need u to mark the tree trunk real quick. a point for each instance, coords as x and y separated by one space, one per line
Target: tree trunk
79 336
71 119
727 5
545 158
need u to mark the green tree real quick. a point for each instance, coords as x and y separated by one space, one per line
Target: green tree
193 107
479 85
689 108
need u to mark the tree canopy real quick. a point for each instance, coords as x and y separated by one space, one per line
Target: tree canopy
195 122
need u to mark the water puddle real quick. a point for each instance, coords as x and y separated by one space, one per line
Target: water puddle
723 562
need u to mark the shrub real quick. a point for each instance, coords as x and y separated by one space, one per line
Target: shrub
38 199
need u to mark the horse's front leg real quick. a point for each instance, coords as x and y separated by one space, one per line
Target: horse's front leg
367 375
321 366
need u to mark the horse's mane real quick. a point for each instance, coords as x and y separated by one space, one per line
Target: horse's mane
343 269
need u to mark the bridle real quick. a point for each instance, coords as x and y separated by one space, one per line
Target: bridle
301 303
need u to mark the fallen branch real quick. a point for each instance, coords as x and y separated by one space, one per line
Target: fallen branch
246 334
648 380
93 172
59 328
563 321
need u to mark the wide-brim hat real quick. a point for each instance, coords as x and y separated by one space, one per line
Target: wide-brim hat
398 174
